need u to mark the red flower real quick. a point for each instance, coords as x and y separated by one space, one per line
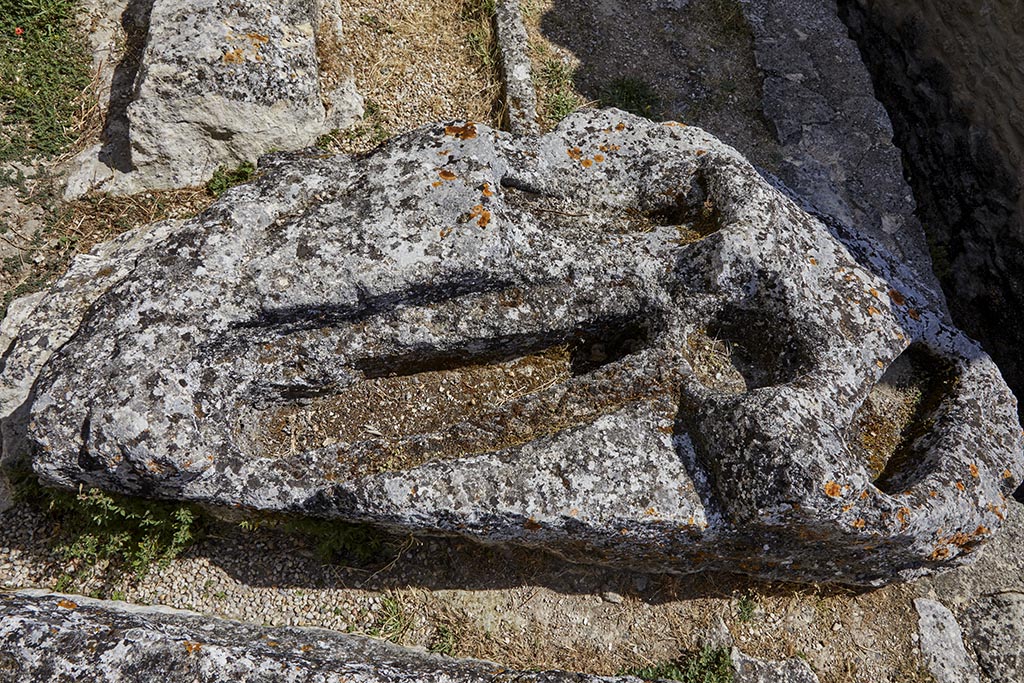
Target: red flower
19 31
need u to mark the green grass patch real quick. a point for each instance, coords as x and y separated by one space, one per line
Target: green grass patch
745 608
225 178
392 621
45 69
710 665
557 93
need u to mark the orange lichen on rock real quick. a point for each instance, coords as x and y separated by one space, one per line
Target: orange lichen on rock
960 485
896 297
586 162
531 524
446 174
192 646
859 523
974 470
67 604
482 215
1007 474
873 311
813 261
236 56
575 153
832 489
941 552
913 314
464 132
487 191
599 158
903 515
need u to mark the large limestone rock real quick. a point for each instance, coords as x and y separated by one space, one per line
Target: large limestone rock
616 341
216 84
51 638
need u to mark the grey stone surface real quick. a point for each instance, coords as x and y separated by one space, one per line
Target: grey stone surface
217 84
722 343
50 638
994 629
942 644
836 138
749 670
520 96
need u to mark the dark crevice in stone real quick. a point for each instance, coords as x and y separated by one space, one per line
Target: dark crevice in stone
598 344
296 319
764 350
117 148
966 188
694 207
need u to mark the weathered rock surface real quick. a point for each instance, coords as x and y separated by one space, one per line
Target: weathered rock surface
215 84
750 670
995 628
616 341
46 638
942 644
836 138
520 96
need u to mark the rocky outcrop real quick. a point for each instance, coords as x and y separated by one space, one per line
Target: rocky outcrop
49 638
836 138
750 670
616 341
949 76
995 626
209 84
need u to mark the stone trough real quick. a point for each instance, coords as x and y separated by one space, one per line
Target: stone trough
617 342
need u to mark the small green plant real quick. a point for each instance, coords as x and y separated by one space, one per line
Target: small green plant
710 665
105 536
559 97
392 622
633 95
224 178
478 17
745 607
446 638
45 67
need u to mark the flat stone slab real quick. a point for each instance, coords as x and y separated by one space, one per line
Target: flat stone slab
942 644
48 638
617 342
216 84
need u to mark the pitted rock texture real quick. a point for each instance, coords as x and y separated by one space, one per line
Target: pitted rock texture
750 670
942 644
50 638
217 84
616 341
995 628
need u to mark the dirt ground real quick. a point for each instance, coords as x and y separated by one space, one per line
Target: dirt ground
698 61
